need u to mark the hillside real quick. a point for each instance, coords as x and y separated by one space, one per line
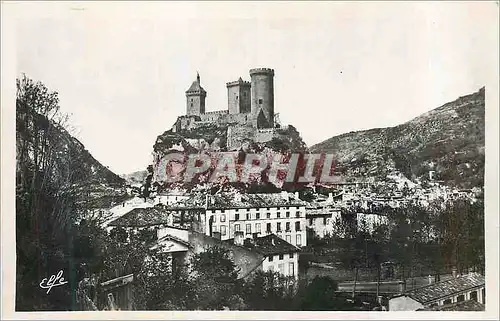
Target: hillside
211 139
448 140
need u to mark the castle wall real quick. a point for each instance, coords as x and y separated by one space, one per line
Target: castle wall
262 136
236 135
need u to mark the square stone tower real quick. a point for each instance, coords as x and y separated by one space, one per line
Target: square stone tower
238 96
195 98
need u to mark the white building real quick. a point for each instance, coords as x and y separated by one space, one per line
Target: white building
322 219
169 198
263 214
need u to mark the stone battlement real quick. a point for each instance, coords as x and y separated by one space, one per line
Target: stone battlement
262 71
266 130
238 83
217 112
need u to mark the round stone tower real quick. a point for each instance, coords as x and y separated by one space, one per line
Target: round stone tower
262 96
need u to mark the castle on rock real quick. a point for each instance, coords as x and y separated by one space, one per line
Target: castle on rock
249 113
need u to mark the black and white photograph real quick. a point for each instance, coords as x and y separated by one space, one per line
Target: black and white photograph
270 159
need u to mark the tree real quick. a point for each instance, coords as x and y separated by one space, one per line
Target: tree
320 295
45 203
270 291
216 279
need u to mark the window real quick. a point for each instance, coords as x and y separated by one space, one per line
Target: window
297 214
288 238
278 227
460 298
483 292
236 227
260 101
287 228
270 258
473 296
310 221
299 240
281 256
236 217
278 214
236 97
291 255
223 230
268 227
248 216
257 216
291 269
257 227
249 228
324 220
191 104
223 218
268 215
287 213
447 301
297 226
191 99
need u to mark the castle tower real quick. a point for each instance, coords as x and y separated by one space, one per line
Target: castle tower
262 105
195 98
238 96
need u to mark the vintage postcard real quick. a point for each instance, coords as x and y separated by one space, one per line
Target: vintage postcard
271 160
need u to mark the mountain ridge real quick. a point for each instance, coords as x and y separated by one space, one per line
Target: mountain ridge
428 142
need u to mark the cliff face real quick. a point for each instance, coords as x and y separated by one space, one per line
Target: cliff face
448 140
236 139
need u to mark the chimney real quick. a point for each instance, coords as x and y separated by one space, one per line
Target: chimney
237 197
238 238
430 279
297 196
284 195
454 272
216 235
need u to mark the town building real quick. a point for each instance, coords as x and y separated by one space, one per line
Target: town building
322 219
265 253
279 255
180 244
263 214
458 289
169 198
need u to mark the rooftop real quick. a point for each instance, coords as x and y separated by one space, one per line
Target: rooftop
234 200
446 288
252 201
196 86
142 217
468 305
269 245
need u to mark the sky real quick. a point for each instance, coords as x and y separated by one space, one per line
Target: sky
121 69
